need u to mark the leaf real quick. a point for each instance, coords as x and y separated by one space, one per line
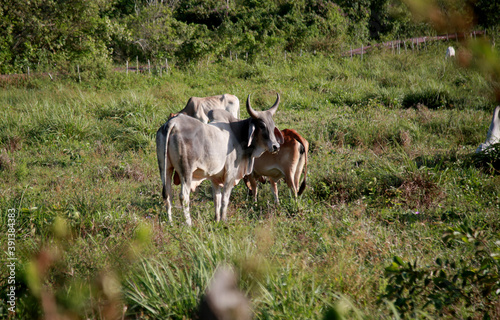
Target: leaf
399 261
485 264
392 268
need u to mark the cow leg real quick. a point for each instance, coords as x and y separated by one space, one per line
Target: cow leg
292 183
253 186
167 194
184 197
246 179
226 193
217 195
274 189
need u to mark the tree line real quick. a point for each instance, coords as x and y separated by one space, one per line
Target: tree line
94 33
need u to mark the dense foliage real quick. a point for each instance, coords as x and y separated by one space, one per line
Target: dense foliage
48 34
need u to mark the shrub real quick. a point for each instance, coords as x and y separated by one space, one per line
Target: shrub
473 280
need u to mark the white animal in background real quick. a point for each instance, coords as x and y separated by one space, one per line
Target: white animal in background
493 135
199 107
450 52
190 151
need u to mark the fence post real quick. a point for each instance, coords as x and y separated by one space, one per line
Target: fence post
79 78
362 50
351 51
127 69
28 71
137 64
166 65
149 67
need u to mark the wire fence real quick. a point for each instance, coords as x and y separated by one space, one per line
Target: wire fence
161 67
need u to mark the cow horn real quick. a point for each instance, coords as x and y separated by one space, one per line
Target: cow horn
251 111
275 105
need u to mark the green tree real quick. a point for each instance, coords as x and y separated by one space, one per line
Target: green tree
52 32
487 13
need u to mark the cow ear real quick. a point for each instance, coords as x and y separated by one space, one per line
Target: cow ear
251 132
279 136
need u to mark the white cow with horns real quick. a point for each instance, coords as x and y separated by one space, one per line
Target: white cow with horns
219 151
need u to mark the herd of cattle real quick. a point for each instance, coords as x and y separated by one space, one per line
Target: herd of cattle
207 140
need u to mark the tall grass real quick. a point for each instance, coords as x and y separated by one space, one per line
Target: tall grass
390 169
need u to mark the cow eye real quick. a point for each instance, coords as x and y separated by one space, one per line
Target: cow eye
262 125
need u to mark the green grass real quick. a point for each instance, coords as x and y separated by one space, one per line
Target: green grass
389 136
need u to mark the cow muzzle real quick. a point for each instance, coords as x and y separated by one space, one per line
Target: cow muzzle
275 149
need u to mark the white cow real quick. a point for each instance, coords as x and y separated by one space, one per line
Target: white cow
199 107
493 135
221 152
450 52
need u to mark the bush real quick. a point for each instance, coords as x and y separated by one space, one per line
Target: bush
473 280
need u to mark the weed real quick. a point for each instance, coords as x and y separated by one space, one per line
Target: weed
472 280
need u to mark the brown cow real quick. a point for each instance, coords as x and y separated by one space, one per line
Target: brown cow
287 163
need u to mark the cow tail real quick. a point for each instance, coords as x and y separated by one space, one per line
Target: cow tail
162 137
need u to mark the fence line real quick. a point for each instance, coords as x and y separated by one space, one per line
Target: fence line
419 43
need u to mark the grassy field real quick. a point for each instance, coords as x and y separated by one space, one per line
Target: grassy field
399 220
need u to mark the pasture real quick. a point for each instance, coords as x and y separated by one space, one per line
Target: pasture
399 219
